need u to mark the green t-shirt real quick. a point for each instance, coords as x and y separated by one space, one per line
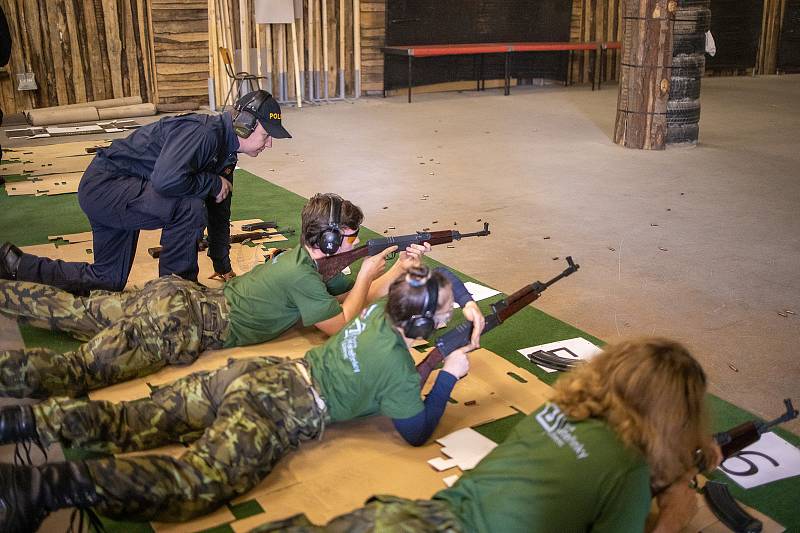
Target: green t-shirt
272 297
366 369
554 475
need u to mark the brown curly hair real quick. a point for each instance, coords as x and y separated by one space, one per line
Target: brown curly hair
651 391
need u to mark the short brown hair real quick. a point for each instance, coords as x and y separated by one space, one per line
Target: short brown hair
651 392
316 216
406 300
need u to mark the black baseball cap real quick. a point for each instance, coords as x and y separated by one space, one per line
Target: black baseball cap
267 110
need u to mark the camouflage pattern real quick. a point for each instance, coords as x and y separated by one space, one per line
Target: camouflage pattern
386 514
245 418
130 334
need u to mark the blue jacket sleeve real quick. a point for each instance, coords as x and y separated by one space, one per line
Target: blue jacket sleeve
179 169
460 293
417 429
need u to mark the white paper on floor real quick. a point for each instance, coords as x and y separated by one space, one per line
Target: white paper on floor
451 480
478 292
577 348
769 459
466 447
440 463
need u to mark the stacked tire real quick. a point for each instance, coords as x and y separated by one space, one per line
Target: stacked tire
692 21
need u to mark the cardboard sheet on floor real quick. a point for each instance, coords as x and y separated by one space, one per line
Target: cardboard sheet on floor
498 375
69 252
476 404
72 238
282 504
27 153
58 165
12 169
49 185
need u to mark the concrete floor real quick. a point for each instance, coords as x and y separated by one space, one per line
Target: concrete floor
699 244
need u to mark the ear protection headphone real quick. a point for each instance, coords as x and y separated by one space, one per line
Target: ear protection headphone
423 324
245 121
331 236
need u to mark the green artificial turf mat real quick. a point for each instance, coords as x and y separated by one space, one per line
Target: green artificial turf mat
256 198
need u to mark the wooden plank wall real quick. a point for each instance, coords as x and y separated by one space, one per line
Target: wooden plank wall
596 20
79 50
373 38
771 24
181 50
275 43
83 50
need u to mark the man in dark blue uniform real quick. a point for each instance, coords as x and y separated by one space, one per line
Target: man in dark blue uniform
174 174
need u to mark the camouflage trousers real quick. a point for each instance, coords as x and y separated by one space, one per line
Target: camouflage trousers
129 334
241 420
386 514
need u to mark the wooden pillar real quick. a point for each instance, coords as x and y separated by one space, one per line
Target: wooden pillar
645 74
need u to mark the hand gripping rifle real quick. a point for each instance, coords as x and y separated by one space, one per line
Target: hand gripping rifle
331 265
501 311
731 442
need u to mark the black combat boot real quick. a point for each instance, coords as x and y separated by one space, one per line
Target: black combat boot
17 424
29 493
9 260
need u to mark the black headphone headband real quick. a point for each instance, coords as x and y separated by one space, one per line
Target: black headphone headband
245 121
331 236
422 325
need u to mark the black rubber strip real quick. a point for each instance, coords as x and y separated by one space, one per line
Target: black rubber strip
640 112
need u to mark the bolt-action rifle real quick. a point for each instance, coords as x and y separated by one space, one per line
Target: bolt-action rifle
331 265
202 244
731 442
501 311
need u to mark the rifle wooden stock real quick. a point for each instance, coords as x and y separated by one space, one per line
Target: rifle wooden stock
331 265
501 311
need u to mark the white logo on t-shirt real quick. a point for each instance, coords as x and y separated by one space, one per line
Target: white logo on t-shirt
351 333
555 424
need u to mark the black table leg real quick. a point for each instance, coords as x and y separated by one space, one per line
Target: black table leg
508 75
567 80
480 76
409 78
475 72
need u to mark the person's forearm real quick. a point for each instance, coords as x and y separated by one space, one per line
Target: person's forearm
356 298
380 287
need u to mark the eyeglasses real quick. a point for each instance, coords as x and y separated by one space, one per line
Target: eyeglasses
351 238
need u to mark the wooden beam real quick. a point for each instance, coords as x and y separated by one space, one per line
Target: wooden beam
357 48
644 85
297 88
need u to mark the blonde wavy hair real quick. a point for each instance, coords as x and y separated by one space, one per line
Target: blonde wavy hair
651 392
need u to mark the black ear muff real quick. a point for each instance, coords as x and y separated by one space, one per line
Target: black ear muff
245 119
422 325
331 236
